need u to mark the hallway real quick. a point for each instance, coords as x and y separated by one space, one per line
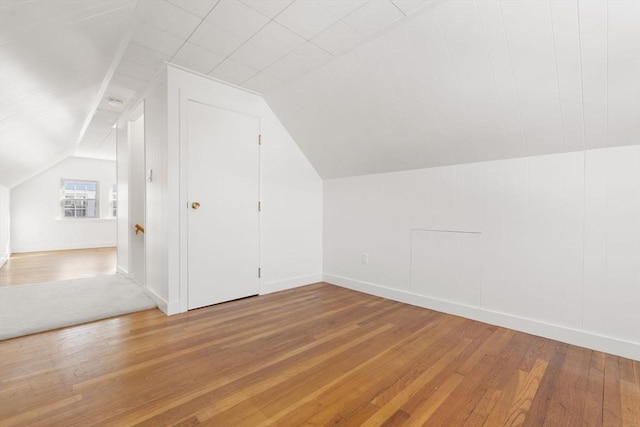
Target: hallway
37 267
35 286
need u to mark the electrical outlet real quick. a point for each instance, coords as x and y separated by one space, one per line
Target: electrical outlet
365 258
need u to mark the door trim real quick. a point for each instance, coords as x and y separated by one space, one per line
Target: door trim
185 98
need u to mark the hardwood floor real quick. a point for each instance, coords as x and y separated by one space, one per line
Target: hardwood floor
312 356
36 267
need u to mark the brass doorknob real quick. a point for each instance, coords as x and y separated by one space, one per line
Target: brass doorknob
195 205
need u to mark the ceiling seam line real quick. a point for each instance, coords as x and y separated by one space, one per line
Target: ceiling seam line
188 11
102 141
61 23
279 59
606 55
185 41
365 39
238 48
555 63
130 76
428 88
515 85
115 63
396 6
455 76
307 40
145 47
376 97
252 36
493 75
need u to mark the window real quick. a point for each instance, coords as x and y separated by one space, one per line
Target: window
113 201
79 199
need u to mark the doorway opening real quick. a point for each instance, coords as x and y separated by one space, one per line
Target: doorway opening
51 266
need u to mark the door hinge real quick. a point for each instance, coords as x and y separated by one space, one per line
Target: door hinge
259 206
259 139
259 273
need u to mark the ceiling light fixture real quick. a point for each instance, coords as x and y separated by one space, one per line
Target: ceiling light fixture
115 102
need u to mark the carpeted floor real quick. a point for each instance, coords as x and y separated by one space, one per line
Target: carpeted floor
27 309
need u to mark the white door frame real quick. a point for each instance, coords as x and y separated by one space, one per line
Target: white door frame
185 98
137 113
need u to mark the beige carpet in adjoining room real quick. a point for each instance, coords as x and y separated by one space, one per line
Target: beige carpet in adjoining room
27 309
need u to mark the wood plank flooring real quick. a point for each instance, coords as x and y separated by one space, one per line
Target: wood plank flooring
318 355
36 267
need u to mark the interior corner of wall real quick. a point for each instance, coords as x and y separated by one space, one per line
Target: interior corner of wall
4 258
167 308
171 308
290 283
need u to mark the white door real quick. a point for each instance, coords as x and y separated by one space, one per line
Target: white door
223 191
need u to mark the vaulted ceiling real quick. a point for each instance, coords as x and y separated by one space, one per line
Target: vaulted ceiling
363 86
469 81
53 59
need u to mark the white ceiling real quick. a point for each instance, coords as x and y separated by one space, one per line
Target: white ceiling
53 58
468 81
362 85
62 59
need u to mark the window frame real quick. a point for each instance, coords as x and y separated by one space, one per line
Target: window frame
80 199
113 201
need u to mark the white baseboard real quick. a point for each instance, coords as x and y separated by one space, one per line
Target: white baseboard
173 307
47 248
160 302
123 272
294 282
4 258
170 308
628 349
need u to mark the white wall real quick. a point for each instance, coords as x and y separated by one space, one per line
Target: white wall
291 217
291 193
5 224
549 245
131 198
136 199
36 223
158 226
122 154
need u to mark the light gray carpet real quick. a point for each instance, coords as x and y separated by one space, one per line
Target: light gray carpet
27 309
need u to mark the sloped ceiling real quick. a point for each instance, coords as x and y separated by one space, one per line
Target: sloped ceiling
468 81
63 59
53 58
363 86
